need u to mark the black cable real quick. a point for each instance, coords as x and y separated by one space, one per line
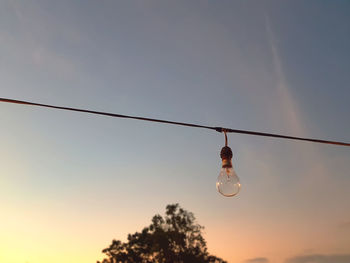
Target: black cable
218 129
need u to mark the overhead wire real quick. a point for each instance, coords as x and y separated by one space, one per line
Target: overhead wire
218 129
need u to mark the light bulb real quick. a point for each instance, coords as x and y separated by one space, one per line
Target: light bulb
228 182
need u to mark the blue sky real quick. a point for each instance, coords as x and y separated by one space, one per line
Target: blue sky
73 180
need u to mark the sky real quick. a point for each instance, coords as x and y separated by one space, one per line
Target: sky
72 182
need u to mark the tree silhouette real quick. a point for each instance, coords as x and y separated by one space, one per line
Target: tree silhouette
175 238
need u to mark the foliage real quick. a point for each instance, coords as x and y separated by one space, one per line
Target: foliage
175 238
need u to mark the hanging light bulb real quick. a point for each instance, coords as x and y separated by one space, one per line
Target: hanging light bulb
227 183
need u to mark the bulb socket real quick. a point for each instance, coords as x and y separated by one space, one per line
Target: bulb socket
226 156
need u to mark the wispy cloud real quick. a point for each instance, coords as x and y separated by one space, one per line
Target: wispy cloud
288 103
319 258
257 260
33 45
290 110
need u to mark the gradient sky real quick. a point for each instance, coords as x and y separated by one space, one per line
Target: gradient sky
70 182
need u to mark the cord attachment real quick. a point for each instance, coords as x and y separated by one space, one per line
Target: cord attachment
226 157
226 154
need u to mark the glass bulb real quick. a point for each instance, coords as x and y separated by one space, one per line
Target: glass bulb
228 182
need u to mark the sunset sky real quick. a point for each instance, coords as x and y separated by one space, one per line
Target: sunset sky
72 182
